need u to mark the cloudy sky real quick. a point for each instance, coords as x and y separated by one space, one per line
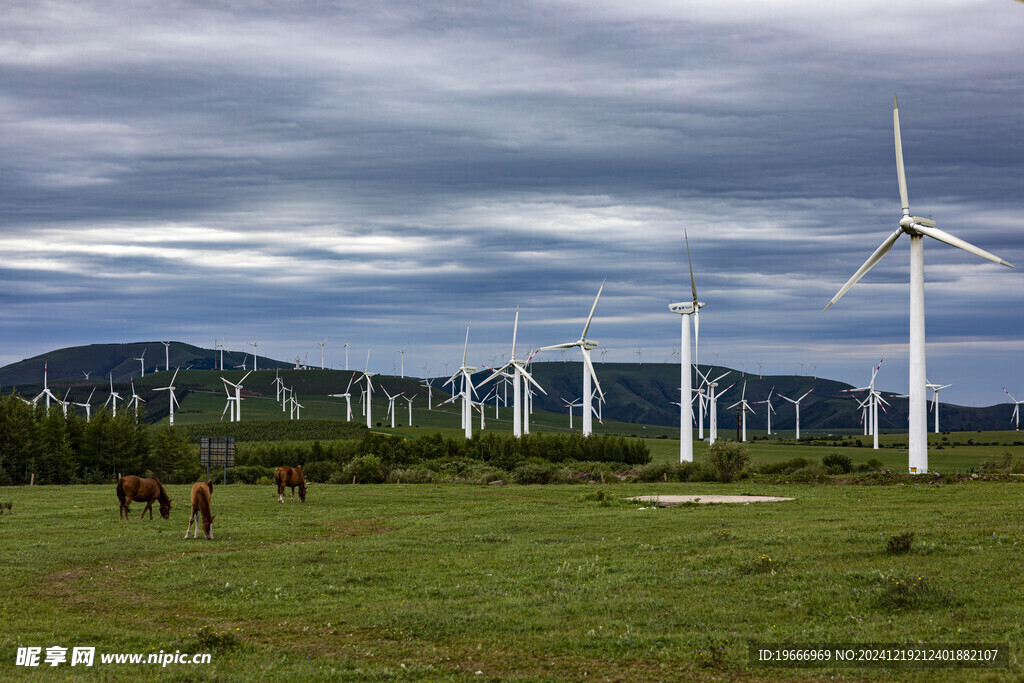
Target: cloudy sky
384 173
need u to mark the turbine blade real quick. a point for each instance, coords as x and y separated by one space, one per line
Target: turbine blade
592 309
593 373
900 175
531 379
465 348
557 347
515 330
693 283
943 236
868 265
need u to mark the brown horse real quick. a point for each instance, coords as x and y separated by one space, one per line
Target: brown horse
290 476
132 488
201 492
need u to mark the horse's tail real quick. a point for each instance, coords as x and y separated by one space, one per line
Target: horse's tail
277 476
120 490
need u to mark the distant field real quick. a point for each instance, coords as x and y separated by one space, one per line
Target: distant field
442 582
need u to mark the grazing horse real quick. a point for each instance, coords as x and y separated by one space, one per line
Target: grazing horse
201 492
132 488
290 476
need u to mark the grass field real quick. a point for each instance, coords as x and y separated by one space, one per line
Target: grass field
533 583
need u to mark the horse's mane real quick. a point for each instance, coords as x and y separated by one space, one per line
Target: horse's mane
163 491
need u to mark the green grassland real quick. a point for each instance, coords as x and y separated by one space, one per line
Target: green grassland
531 583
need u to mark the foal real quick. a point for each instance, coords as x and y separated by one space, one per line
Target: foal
201 492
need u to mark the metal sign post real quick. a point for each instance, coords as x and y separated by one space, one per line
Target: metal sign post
218 451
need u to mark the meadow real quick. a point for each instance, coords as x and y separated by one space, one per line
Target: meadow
428 582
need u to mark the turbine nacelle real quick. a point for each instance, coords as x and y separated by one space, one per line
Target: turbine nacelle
685 307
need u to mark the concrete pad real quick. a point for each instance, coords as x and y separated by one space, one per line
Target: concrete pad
669 501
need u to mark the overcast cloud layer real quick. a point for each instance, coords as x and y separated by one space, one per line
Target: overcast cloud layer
384 173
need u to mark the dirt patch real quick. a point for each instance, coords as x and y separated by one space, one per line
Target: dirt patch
671 501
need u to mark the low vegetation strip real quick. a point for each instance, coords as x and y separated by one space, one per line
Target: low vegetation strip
252 431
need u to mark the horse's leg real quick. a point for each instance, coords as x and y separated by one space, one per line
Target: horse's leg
149 506
189 527
280 493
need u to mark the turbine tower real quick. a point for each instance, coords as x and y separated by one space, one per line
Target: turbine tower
468 389
769 408
323 345
684 309
745 407
368 403
401 351
797 404
237 412
586 346
254 344
936 388
167 355
114 396
171 399
519 375
1016 410
142 363
135 399
917 228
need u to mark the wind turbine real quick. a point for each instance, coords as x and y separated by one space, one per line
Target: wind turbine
570 405
171 399
86 374
936 388
684 309
1016 410
221 347
346 354
64 402
46 389
296 408
347 396
917 228
254 344
368 403
167 355
745 407
88 406
769 408
114 396
468 389
237 412
391 405
519 374
872 401
586 346
135 399
142 362
797 404
430 391
712 384
401 351
323 345
410 399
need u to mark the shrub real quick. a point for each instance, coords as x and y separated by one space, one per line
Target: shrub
413 475
727 458
367 469
912 592
899 544
839 464
763 564
534 472
248 474
814 473
785 467
1004 464
319 471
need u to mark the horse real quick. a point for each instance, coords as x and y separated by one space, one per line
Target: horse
132 488
290 476
201 492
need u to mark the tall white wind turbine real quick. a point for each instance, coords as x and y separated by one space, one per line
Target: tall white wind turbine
323 345
745 407
797 404
346 354
254 344
466 372
1016 410
936 388
685 309
519 376
88 405
769 408
142 363
167 355
586 346
237 398
114 396
47 394
135 400
348 398
391 405
401 351
368 403
575 403
171 399
917 228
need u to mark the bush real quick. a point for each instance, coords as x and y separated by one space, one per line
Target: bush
727 458
814 473
319 471
367 469
413 475
899 544
1004 464
534 472
248 474
785 467
839 464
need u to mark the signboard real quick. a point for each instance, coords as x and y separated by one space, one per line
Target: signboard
218 451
